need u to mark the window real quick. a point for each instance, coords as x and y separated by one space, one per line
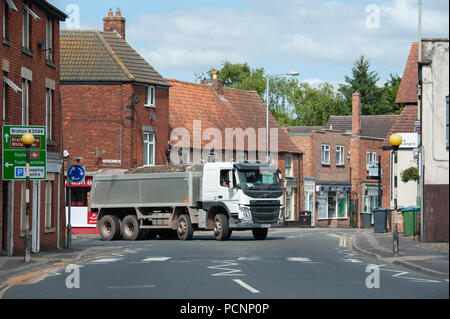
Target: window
149 149
333 205
25 29
340 155
49 201
288 166
48 113
25 101
325 154
5 20
371 160
225 178
150 96
49 40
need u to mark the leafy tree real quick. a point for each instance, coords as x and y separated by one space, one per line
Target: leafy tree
390 90
363 81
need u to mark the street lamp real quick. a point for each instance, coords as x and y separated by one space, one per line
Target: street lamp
395 140
27 140
291 73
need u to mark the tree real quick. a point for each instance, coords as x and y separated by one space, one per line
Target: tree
363 81
390 90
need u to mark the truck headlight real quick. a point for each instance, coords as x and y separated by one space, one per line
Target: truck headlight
246 214
281 215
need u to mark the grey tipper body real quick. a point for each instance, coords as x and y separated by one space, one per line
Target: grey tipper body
211 196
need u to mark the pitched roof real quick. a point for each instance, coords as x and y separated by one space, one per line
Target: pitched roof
407 92
302 129
95 56
233 110
377 126
403 124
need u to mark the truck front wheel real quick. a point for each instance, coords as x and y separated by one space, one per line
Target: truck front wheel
260 233
109 227
130 228
185 231
221 227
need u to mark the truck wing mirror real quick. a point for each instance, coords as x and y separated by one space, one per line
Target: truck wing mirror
230 179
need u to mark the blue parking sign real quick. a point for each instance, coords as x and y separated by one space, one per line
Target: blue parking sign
19 172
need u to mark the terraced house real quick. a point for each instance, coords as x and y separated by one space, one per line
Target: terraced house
30 96
115 105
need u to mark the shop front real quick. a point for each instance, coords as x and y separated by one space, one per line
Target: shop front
333 205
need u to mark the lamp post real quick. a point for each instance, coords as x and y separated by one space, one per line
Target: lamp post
27 140
267 106
395 140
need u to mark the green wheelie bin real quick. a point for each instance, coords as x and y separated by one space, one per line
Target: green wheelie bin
410 220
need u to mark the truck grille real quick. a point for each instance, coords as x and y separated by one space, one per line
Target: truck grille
265 214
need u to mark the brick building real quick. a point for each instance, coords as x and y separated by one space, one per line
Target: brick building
337 183
115 105
29 55
208 114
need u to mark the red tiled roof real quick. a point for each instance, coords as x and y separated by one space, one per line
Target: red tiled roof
235 109
403 124
371 125
407 92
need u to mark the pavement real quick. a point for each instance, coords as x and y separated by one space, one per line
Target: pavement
427 258
15 265
430 259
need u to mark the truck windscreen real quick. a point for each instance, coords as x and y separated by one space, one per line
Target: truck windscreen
259 179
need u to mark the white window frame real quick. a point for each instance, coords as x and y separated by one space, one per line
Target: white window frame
324 196
49 39
25 29
325 148
4 100
340 149
49 186
371 160
4 18
288 171
25 102
49 113
150 96
150 144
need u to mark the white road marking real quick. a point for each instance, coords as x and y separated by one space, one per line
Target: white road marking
401 274
249 258
228 271
243 284
156 259
300 259
353 260
105 260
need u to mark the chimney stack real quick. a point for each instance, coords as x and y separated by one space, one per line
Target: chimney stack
356 114
114 23
215 83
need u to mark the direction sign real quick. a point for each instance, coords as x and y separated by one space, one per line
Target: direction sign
14 152
76 173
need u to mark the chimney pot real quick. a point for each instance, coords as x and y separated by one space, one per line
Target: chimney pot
115 23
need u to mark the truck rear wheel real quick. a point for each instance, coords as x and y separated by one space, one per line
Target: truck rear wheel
109 227
221 227
130 228
185 231
260 233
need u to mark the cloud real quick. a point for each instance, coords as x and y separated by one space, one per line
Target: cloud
314 37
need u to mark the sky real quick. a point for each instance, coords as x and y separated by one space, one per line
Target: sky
320 39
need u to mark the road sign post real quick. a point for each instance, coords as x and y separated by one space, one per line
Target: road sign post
75 173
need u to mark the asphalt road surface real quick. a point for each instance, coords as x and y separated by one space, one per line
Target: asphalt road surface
289 264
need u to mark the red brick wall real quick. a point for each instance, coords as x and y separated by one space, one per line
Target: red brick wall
94 114
36 62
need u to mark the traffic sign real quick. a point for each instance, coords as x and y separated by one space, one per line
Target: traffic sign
14 152
76 173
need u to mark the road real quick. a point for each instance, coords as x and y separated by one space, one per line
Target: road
289 264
